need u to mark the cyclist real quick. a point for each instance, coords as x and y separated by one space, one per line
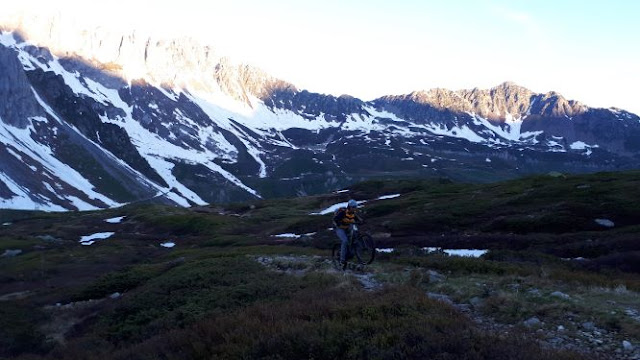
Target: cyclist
343 220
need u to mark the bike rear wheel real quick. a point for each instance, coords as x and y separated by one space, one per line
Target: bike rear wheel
365 249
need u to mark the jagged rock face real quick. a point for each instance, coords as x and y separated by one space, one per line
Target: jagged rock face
495 104
171 63
312 105
17 103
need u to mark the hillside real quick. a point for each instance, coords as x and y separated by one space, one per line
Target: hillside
560 279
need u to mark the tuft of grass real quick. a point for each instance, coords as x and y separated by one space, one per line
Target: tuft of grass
19 329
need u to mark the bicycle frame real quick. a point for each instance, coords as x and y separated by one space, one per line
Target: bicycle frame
353 234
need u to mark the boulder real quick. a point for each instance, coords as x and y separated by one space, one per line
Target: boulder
532 322
560 295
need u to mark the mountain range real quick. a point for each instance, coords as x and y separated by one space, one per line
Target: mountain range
94 119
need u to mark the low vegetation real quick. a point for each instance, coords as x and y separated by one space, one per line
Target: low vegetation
231 289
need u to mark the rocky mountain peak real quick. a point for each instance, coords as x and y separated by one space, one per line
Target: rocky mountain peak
496 103
176 63
441 99
506 100
555 105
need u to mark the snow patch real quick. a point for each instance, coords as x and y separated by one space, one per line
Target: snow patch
605 222
14 154
168 244
385 197
293 236
457 252
287 235
554 146
579 145
90 239
44 155
23 199
115 220
158 152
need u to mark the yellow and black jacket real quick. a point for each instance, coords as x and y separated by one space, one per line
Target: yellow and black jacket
344 217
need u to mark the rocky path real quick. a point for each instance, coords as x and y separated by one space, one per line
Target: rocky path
586 337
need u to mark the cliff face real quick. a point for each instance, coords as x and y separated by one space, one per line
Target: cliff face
506 99
170 63
17 102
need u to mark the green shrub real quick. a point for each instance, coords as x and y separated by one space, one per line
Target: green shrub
188 292
19 329
121 281
333 323
462 265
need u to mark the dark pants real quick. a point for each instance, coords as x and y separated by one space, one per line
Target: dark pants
344 242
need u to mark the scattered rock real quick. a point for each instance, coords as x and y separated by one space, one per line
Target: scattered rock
382 235
589 326
556 341
48 238
556 174
627 346
560 295
15 296
466 308
583 186
621 289
633 314
561 328
533 322
605 222
435 276
178 261
476 301
440 297
367 281
534 292
11 253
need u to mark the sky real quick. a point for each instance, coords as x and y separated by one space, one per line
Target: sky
587 50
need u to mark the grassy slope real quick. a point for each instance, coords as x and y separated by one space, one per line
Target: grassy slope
209 297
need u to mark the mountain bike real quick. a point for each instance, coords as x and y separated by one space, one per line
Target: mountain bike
360 245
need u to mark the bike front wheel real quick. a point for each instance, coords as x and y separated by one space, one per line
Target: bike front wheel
365 249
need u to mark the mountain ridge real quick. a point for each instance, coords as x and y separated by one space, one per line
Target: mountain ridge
215 131
496 103
186 54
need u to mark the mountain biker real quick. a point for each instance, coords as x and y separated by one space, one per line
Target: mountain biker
343 220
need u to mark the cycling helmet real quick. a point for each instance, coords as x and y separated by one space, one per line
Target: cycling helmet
352 203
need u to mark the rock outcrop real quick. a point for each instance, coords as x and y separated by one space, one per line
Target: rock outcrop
17 102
